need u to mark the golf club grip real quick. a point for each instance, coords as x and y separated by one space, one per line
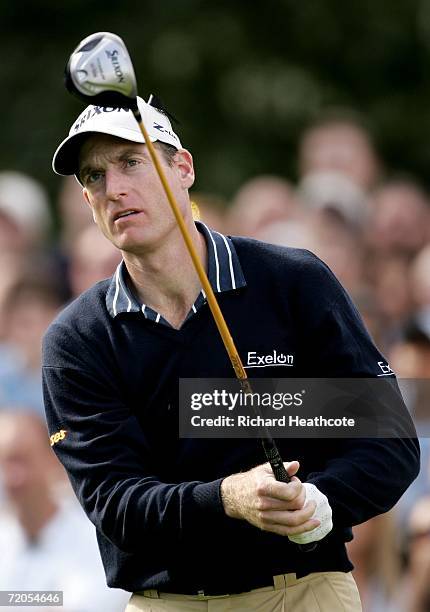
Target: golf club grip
281 474
274 458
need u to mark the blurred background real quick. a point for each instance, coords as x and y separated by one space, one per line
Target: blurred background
310 127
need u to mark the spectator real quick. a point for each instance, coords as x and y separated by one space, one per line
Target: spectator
25 218
415 591
295 233
326 236
11 264
260 202
399 220
92 258
340 142
30 304
389 280
420 285
335 193
410 358
330 224
73 216
211 209
375 553
338 213
46 541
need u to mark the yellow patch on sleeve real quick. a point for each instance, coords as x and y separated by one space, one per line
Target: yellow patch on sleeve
56 437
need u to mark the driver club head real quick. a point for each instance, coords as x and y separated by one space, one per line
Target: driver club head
100 72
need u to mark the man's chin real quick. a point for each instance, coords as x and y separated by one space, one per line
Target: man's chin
134 247
138 245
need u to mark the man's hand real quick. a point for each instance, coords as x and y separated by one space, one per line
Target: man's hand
322 512
258 498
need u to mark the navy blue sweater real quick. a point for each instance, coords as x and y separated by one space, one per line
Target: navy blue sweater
111 383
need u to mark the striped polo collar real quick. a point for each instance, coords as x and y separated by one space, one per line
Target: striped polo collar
224 273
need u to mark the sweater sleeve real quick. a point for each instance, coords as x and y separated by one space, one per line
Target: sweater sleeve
363 477
103 449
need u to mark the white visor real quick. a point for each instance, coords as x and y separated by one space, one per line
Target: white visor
116 122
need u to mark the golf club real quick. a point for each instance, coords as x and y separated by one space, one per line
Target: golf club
100 71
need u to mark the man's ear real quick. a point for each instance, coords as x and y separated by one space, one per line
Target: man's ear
88 201
183 161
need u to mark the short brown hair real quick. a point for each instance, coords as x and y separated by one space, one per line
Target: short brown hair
168 151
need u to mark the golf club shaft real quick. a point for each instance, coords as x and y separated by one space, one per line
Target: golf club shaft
269 445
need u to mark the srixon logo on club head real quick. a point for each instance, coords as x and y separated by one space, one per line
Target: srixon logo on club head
113 56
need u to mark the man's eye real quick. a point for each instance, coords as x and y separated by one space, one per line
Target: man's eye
132 162
93 177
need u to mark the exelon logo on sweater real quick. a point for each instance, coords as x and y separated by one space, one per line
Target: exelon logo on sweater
275 358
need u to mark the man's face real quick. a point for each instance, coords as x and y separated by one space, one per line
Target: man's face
125 193
26 461
340 147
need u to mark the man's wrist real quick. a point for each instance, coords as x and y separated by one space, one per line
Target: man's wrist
229 497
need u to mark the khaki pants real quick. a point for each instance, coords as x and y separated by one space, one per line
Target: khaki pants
318 592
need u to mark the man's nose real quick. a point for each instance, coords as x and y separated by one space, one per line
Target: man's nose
115 184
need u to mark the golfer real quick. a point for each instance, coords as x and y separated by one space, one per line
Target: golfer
189 524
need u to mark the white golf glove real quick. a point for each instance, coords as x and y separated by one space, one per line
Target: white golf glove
322 513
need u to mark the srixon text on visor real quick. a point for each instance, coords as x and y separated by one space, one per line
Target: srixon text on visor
98 110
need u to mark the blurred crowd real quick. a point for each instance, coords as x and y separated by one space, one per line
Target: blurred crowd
372 228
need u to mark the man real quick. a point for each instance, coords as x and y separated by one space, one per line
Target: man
190 524
340 141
